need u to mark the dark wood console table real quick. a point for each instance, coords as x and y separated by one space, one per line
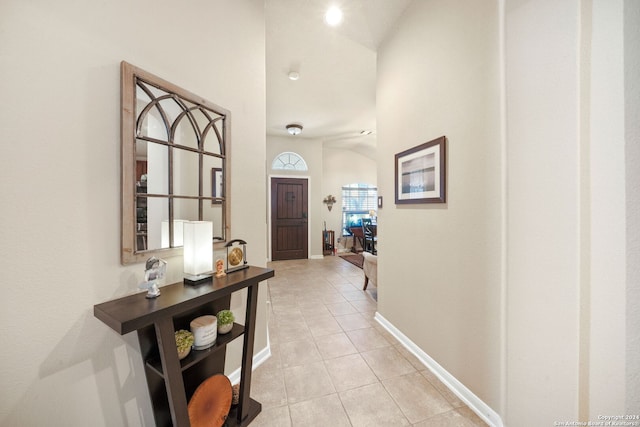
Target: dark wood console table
171 381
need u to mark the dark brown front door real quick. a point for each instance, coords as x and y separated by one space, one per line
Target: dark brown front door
289 225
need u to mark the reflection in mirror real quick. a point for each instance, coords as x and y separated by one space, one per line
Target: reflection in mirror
186 209
185 129
174 165
213 213
185 172
154 160
157 214
214 179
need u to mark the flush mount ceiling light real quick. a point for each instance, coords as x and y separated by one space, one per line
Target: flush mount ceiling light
333 17
294 75
294 129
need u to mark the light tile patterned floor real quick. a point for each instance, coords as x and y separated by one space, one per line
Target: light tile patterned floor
332 364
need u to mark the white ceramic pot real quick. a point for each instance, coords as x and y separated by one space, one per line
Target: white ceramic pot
225 329
183 354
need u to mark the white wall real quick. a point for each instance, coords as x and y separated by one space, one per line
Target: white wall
342 167
543 211
608 224
439 268
60 187
631 26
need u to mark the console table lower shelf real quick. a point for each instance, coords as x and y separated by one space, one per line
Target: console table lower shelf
171 381
254 409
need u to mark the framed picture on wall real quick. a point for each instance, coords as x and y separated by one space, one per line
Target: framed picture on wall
420 173
217 187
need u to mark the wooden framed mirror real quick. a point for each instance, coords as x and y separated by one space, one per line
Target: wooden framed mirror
174 165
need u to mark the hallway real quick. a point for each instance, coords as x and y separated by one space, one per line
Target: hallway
332 364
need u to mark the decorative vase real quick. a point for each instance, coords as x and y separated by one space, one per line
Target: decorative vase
184 353
184 341
225 321
225 329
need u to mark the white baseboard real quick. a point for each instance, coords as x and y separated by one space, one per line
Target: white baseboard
483 410
258 359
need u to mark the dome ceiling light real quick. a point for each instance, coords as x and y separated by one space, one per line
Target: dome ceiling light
294 129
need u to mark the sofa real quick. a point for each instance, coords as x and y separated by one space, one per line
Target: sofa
370 268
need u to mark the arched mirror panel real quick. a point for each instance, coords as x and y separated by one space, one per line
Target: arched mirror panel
174 165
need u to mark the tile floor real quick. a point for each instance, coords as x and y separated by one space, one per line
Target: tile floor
332 364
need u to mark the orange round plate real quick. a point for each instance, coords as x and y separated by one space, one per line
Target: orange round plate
210 404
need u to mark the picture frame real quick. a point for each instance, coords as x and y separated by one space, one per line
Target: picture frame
420 173
217 186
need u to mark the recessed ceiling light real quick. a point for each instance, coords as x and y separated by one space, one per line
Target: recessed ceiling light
293 75
333 17
294 129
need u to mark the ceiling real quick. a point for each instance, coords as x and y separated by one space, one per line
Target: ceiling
334 97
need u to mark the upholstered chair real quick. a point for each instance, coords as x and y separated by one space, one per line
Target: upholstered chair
370 268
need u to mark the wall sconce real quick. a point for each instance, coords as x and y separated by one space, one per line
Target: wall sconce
198 251
329 201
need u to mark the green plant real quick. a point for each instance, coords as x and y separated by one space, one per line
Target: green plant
225 317
184 340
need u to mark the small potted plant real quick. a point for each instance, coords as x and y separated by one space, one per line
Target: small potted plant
184 341
225 321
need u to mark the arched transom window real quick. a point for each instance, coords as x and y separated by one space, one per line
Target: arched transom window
289 161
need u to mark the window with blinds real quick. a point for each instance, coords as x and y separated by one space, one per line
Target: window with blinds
358 201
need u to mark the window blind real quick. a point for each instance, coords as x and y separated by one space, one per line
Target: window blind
357 201
359 197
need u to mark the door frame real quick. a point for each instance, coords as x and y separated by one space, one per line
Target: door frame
269 207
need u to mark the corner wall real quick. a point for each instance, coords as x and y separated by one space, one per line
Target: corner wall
60 187
568 335
543 211
631 15
607 329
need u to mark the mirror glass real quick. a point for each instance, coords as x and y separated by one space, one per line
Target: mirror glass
174 147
